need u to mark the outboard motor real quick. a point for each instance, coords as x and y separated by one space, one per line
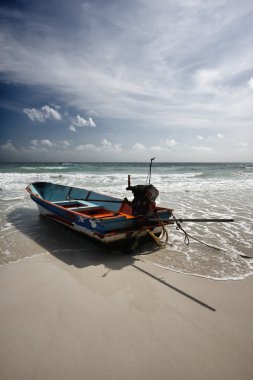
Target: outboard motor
144 199
144 196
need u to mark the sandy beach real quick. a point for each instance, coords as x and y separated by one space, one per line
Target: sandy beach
102 315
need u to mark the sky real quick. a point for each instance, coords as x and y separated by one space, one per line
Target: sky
116 80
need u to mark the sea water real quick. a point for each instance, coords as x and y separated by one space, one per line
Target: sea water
193 190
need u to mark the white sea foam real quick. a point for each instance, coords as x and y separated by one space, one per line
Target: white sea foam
11 198
166 183
25 258
36 168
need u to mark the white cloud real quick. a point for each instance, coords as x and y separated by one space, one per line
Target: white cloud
170 143
79 121
42 143
65 143
166 145
90 147
109 147
91 122
34 115
35 142
42 114
47 143
139 147
219 135
9 146
250 83
50 113
105 147
199 137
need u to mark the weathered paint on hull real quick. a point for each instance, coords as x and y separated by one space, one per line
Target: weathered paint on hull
103 238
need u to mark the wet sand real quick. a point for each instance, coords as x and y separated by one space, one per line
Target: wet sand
96 315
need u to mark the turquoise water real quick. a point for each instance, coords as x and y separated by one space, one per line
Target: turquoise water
211 169
208 190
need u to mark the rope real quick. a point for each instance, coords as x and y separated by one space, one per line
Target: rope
162 243
156 239
187 236
136 242
160 240
164 233
179 227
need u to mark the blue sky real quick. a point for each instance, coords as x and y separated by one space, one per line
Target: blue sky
126 80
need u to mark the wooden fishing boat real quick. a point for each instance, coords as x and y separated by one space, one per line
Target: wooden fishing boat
102 217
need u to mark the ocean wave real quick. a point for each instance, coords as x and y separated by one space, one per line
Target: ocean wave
28 167
9 199
44 168
193 182
52 167
56 176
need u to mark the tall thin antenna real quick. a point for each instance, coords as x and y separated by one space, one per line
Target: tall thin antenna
149 173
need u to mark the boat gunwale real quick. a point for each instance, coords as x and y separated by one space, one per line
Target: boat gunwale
121 214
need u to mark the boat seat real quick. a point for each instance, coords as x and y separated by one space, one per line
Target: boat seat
95 207
61 202
86 204
83 204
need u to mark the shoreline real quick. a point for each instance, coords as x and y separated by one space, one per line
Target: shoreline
102 316
31 235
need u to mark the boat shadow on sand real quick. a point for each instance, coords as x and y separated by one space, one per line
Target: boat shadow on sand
75 249
65 244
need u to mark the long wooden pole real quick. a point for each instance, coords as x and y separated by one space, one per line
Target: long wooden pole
196 220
